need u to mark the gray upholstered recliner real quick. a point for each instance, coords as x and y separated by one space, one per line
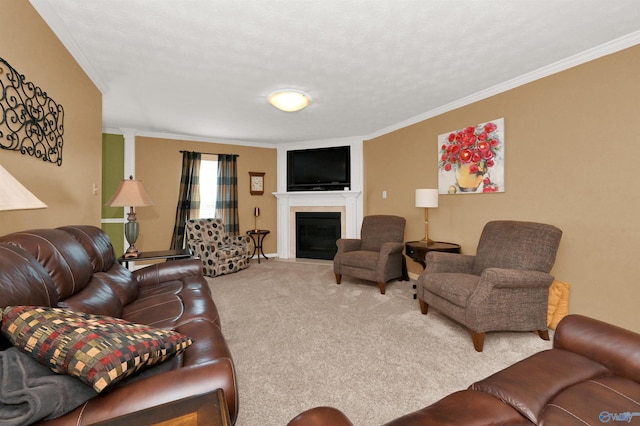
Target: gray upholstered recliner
504 287
377 255
219 252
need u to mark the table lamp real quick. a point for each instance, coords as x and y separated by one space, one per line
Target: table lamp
256 213
426 198
130 193
14 196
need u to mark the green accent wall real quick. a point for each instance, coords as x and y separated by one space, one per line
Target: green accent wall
112 174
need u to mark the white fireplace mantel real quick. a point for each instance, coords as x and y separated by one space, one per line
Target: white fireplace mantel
348 201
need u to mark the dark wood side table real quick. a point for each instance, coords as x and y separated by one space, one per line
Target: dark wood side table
257 237
417 251
156 255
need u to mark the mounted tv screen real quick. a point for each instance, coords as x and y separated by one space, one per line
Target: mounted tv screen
320 169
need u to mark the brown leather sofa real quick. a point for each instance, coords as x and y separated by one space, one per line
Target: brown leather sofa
75 267
591 376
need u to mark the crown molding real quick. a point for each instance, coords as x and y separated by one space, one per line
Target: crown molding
589 55
57 25
189 138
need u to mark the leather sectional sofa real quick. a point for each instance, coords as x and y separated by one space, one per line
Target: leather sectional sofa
75 268
591 376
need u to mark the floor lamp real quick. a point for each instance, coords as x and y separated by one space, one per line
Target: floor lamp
130 193
14 196
426 198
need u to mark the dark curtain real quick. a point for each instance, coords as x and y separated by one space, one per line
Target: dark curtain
227 198
188 198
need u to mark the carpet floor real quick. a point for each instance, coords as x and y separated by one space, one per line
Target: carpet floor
299 340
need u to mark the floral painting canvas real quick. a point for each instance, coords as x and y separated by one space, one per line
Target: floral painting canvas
471 160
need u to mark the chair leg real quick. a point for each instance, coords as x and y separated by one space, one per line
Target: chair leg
424 308
381 285
544 334
478 340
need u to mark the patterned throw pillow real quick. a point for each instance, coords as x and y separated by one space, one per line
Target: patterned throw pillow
99 350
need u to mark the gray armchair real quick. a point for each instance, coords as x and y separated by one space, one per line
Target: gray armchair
377 255
504 287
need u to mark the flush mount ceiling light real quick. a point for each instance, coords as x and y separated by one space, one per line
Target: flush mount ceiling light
289 100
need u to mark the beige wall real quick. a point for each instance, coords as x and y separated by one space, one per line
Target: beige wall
571 145
158 164
33 50
571 160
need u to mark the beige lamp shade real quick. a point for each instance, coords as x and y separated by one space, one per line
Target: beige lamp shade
14 196
426 198
131 193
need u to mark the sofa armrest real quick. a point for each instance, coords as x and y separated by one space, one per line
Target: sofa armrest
167 271
238 240
390 248
515 278
151 392
612 346
497 286
242 241
438 262
348 244
320 416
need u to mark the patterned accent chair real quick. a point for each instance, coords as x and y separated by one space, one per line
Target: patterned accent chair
377 255
220 253
504 287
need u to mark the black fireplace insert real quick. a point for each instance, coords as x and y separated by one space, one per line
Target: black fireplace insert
316 234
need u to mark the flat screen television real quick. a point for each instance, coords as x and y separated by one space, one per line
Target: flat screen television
319 169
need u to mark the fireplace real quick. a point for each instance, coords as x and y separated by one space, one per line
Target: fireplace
347 203
316 234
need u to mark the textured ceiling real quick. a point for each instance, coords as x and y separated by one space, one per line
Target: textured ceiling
204 68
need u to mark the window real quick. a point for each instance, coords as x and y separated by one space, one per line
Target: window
208 185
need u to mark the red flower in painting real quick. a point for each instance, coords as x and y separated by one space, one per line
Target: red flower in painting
469 140
484 146
465 155
490 127
476 146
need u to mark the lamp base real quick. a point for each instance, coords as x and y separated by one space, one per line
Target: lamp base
131 231
132 252
428 241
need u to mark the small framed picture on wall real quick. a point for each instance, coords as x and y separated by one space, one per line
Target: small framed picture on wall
256 183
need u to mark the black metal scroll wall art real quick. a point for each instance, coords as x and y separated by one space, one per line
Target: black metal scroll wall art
30 121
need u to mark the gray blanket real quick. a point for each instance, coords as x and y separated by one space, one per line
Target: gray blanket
29 391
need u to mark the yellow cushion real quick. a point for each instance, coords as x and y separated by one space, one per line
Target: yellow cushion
558 303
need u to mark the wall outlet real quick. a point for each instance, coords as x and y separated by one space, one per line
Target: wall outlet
384 195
